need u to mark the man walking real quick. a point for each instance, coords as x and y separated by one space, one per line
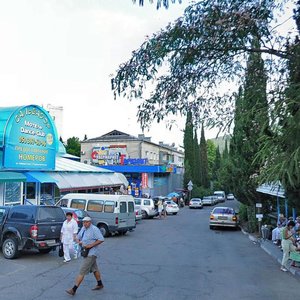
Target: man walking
89 237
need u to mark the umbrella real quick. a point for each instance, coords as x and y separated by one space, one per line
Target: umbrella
173 194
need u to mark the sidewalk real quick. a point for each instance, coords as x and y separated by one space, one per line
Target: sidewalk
273 251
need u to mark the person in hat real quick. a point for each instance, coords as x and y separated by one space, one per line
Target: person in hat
89 237
68 235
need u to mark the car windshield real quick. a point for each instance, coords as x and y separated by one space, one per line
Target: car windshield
195 200
223 210
137 201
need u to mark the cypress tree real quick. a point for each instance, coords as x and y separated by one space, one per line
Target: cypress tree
188 144
197 166
203 160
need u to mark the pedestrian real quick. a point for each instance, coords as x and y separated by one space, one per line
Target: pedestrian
288 242
68 236
159 207
277 232
165 208
89 237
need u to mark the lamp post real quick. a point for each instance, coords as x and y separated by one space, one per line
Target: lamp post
190 188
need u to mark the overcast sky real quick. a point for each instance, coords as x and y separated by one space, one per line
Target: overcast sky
62 52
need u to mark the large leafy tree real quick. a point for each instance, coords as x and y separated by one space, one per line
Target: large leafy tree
189 60
73 146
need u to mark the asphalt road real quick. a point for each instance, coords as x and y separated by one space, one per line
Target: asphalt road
174 258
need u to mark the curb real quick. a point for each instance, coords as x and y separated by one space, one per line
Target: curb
256 240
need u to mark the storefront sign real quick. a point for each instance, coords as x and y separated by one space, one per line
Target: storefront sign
109 155
144 180
135 161
30 139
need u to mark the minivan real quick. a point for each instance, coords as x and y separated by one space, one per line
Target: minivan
110 213
221 196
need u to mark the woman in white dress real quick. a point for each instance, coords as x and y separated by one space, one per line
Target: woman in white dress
68 235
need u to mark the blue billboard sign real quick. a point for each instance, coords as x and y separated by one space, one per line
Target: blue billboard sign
30 140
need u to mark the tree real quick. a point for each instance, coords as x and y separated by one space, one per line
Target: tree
159 3
211 156
188 144
212 41
217 165
197 163
73 146
203 160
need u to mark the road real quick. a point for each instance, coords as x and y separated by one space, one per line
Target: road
173 258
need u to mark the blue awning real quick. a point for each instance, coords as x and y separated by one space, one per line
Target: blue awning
39 177
6 176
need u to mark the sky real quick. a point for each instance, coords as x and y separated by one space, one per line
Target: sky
62 52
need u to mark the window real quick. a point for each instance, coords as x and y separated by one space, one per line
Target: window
95 205
123 207
137 201
78 203
64 202
46 214
2 213
12 192
130 206
22 214
109 206
30 190
146 202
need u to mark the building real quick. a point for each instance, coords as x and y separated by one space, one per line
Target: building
33 166
150 168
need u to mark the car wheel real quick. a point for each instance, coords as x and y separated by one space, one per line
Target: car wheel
104 230
10 248
45 251
144 214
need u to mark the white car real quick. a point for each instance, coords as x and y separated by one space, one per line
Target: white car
172 207
147 207
208 200
230 197
196 203
138 212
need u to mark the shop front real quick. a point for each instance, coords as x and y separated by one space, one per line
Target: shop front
33 169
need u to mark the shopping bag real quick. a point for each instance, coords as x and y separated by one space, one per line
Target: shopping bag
60 250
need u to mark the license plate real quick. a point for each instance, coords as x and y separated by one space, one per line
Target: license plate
222 218
51 242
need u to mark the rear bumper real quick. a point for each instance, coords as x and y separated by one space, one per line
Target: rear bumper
44 244
223 224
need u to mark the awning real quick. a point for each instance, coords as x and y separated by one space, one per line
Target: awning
65 180
39 177
274 189
11 177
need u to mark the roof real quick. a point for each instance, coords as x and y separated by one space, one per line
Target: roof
11 177
273 189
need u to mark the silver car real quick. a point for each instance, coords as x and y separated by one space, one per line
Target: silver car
196 203
208 200
223 217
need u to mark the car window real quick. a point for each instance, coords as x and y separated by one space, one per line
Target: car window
78 203
146 202
130 206
123 207
219 210
137 201
80 213
22 214
64 202
109 206
2 213
46 214
95 205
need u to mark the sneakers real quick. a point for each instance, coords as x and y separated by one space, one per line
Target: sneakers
283 269
66 261
71 292
98 287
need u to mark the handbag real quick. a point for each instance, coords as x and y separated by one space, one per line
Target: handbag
84 252
60 250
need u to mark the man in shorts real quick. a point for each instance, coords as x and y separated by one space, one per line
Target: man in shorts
89 237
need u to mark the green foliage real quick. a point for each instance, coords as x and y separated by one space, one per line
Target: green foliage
200 191
211 156
73 146
204 180
189 150
197 163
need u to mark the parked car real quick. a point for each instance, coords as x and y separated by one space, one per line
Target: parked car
78 215
208 200
220 195
138 212
29 227
172 207
230 197
196 203
147 207
223 217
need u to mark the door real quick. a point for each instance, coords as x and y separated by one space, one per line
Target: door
123 215
131 214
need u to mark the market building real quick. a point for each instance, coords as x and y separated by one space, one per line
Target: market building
34 167
150 168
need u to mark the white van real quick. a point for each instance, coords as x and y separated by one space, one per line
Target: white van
221 196
110 213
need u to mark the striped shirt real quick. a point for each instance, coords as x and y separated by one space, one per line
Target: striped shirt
89 236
